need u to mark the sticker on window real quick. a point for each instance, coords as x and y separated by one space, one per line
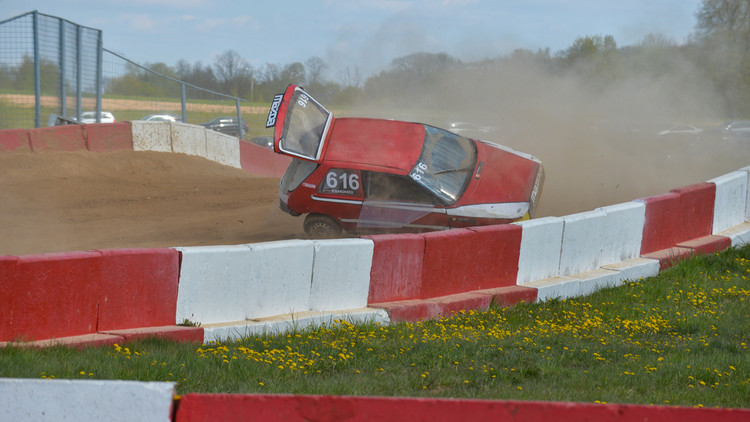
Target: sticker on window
342 182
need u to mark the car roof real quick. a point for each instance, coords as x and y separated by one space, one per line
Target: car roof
375 144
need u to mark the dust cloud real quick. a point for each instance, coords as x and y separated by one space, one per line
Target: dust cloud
598 139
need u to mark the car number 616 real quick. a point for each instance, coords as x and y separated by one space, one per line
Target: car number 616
346 181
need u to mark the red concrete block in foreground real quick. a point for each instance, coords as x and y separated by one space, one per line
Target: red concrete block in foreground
661 229
173 332
288 408
108 137
49 296
58 138
464 260
15 140
697 210
396 272
707 244
138 288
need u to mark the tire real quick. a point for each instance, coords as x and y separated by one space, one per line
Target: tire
321 226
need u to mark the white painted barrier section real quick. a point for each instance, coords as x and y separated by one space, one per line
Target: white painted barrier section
32 400
223 149
235 283
739 234
213 283
582 242
280 277
730 202
622 233
292 322
151 136
559 287
188 139
635 269
539 255
341 274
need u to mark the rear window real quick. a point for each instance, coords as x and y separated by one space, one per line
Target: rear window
305 127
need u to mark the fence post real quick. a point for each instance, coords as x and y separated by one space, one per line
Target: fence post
37 74
99 83
79 81
184 102
240 129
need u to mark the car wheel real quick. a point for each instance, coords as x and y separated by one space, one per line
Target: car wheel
321 226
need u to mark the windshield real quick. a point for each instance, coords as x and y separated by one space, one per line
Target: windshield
305 126
445 165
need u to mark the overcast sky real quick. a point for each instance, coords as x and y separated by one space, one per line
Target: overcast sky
361 34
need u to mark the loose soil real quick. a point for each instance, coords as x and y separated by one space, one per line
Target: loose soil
76 201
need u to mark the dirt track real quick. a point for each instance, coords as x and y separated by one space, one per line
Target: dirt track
56 202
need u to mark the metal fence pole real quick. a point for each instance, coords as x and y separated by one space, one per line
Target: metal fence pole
99 83
37 75
63 94
240 128
79 76
184 102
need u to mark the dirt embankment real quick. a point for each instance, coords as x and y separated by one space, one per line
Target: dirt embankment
72 201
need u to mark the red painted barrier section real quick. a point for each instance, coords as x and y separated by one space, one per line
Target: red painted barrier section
707 244
288 408
262 161
138 288
509 296
396 272
697 206
662 224
463 260
58 138
108 137
15 140
51 295
680 215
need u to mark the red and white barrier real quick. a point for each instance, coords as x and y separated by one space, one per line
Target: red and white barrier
85 400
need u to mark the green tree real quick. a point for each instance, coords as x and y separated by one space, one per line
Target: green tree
723 38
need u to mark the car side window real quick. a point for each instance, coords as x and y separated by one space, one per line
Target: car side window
391 187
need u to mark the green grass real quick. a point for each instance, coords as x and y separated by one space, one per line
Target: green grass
680 338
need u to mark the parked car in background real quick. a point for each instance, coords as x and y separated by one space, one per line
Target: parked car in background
264 141
226 125
681 129
90 117
375 175
736 130
160 118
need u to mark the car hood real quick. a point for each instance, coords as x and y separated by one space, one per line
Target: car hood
503 176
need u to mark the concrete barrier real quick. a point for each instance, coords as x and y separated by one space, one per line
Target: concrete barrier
539 253
138 288
85 400
51 295
152 136
340 274
223 149
283 407
108 137
187 139
396 264
234 283
581 242
730 202
58 138
463 260
15 140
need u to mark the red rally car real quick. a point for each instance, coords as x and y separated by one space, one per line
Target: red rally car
375 175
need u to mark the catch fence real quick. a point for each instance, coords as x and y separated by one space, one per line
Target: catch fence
53 71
